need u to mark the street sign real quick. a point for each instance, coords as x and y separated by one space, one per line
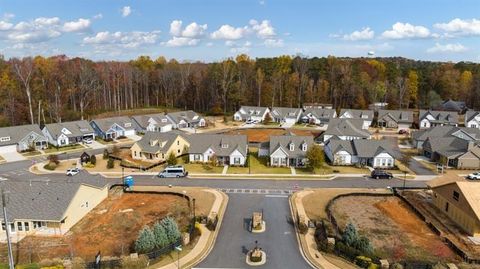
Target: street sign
178 248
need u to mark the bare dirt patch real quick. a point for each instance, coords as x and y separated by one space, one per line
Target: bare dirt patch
256 135
394 230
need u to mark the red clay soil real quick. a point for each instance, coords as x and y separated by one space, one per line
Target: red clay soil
256 135
414 228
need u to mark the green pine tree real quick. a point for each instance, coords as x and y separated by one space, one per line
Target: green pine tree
161 239
145 241
171 229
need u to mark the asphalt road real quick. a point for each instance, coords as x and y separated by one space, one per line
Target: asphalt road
414 165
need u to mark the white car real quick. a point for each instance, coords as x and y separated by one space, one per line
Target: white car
73 171
249 122
474 176
87 141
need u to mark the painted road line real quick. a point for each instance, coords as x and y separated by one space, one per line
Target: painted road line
276 196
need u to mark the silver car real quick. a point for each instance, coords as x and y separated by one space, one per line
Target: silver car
173 171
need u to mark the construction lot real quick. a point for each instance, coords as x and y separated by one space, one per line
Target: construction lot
259 135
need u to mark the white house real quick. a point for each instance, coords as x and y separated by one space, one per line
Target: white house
287 150
21 138
255 113
365 115
318 116
68 133
111 128
152 123
432 118
227 149
472 119
345 129
373 153
186 119
286 114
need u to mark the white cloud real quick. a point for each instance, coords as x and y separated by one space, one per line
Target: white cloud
188 36
460 27
194 30
264 29
229 32
230 43
447 48
98 16
181 42
47 21
4 26
406 30
262 2
8 16
123 39
38 30
176 28
80 25
126 11
273 43
365 34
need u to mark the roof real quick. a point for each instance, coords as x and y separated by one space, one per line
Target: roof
39 200
188 116
106 123
445 131
358 113
439 116
471 114
447 146
199 143
153 142
320 113
444 180
17 133
246 111
346 127
158 119
283 141
73 128
400 116
451 105
337 145
364 148
286 112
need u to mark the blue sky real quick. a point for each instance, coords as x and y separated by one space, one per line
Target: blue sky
208 30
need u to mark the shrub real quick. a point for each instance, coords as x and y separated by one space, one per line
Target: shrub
171 159
108 139
121 137
135 263
52 158
363 261
47 263
397 266
110 164
50 166
88 165
373 266
105 154
145 241
212 224
302 228
93 160
171 230
28 266
255 259
161 239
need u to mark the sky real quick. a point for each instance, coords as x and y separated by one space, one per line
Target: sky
212 30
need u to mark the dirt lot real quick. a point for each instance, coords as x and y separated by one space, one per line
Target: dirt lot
111 227
383 219
256 135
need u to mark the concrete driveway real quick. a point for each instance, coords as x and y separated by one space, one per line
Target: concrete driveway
414 165
12 156
287 124
96 145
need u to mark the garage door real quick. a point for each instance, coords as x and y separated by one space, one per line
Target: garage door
6 149
129 132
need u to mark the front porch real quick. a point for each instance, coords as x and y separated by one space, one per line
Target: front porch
288 162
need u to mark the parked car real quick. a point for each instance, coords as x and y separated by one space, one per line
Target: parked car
474 176
249 121
87 141
73 171
378 174
403 131
173 171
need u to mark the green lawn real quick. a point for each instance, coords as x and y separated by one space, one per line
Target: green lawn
259 166
53 149
30 153
237 170
328 169
202 168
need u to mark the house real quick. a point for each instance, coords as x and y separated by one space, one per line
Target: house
346 129
453 151
39 208
459 199
152 123
377 106
451 105
155 146
398 119
317 105
318 116
431 118
286 114
22 138
420 136
226 149
112 128
472 119
373 153
186 119
68 133
365 115
255 113
287 150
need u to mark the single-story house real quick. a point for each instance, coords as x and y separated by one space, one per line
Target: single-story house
373 153
398 119
345 129
318 116
111 128
186 119
317 105
68 133
21 138
453 151
286 114
287 150
155 146
431 118
459 199
472 119
152 123
256 113
365 115
227 149
420 136
451 105
50 209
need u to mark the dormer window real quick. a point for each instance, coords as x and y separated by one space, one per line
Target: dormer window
164 120
364 116
304 147
291 147
224 146
5 139
127 124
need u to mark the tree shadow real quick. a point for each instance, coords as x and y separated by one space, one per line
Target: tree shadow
244 250
246 224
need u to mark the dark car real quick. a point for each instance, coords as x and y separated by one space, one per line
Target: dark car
403 131
378 174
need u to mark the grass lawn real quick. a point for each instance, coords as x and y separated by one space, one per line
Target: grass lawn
259 166
202 168
329 169
237 170
30 153
61 149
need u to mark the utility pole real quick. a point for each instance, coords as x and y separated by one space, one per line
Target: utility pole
7 229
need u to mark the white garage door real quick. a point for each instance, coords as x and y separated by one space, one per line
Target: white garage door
6 149
129 132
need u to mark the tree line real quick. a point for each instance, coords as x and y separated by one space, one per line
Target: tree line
44 90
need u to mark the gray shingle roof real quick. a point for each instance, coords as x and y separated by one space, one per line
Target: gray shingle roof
363 148
17 133
346 127
286 112
444 131
337 145
358 113
77 128
451 105
153 142
471 114
106 123
323 114
189 116
447 146
440 116
283 141
143 120
247 111
400 116
199 143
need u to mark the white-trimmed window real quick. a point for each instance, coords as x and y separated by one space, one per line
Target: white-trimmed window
128 124
291 147
236 160
224 146
304 147
5 139
196 157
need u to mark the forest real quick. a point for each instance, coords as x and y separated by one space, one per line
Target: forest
41 90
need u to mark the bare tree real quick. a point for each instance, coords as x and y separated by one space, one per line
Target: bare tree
24 71
259 79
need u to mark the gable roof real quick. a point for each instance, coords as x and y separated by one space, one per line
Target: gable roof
199 143
363 148
447 146
320 113
470 115
337 145
400 116
346 127
444 131
451 105
153 142
189 116
144 120
17 133
76 128
286 112
283 142
106 123
358 113
439 116
246 111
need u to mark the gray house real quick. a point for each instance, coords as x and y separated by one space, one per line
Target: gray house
111 128
431 118
398 119
287 150
419 137
453 151
318 116
68 133
256 113
345 129
227 149
373 153
365 115
22 138
472 119
152 123
186 119
286 114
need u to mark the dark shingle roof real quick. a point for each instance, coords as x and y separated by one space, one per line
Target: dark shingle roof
286 112
439 116
283 141
76 128
320 113
346 127
17 133
247 111
362 148
189 116
358 113
154 142
445 131
143 120
199 143
471 114
400 116
106 123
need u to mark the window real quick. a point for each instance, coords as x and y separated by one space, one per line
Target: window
163 155
456 195
135 153
196 157
304 147
178 142
12 227
128 124
19 226
236 160
3 226
26 224
292 147
224 146
446 207
178 151
5 139
86 204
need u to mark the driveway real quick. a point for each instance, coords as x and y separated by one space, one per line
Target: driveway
134 137
287 124
234 240
414 165
12 156
96 145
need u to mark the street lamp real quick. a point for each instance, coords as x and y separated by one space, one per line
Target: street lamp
178 249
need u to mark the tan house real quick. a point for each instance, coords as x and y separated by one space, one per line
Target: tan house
155 146
459 199
49 209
